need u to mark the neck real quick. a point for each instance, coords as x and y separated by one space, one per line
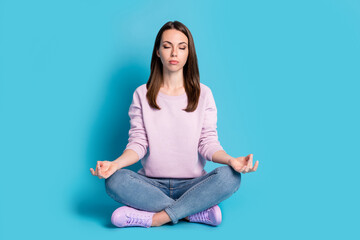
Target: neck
173 80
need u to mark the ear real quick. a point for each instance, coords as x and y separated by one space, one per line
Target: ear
157 53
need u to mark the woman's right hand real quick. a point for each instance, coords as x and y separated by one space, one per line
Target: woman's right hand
104 169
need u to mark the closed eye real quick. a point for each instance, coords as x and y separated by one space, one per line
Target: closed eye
180 48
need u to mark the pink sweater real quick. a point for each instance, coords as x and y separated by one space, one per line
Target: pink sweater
176 143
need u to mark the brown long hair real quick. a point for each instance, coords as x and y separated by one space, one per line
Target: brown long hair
190 70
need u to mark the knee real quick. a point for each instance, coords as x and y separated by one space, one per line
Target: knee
229 177
115 181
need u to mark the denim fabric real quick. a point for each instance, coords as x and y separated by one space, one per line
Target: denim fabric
179 197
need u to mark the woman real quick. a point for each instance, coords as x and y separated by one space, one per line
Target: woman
173 119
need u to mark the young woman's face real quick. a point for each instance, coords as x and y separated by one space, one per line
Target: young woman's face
173 46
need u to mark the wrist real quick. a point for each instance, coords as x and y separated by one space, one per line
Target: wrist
229 162
118 164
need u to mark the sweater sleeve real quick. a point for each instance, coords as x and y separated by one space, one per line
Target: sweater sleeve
209 143
137 134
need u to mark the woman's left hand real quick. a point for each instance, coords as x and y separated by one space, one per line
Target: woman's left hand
244 164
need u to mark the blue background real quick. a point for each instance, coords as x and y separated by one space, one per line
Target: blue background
285 78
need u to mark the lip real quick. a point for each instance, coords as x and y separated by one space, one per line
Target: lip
173 62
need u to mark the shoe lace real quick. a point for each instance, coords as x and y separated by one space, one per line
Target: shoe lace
133 218
202 216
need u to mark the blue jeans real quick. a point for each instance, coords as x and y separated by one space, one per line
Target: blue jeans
179 197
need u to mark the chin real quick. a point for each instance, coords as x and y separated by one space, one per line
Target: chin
174 69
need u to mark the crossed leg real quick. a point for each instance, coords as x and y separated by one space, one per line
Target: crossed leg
140 192
135 190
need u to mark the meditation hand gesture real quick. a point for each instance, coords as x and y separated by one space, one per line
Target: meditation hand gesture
243 164
104 169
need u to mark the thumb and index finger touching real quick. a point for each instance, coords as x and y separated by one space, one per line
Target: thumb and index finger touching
250 163
98 170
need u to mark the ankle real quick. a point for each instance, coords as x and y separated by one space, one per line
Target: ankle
160 218
155 220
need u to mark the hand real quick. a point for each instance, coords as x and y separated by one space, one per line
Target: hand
243 164
104 169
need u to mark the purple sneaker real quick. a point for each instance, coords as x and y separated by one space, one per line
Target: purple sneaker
127 217
211 216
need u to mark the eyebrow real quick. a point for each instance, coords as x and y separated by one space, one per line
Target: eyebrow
171 43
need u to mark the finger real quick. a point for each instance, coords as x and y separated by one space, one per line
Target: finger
255 166
97 169
246 170
250 163
100 170
92 171
243 168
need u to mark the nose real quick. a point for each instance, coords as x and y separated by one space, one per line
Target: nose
174 52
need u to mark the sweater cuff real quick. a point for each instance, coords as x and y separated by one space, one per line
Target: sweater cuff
212 150
139 150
